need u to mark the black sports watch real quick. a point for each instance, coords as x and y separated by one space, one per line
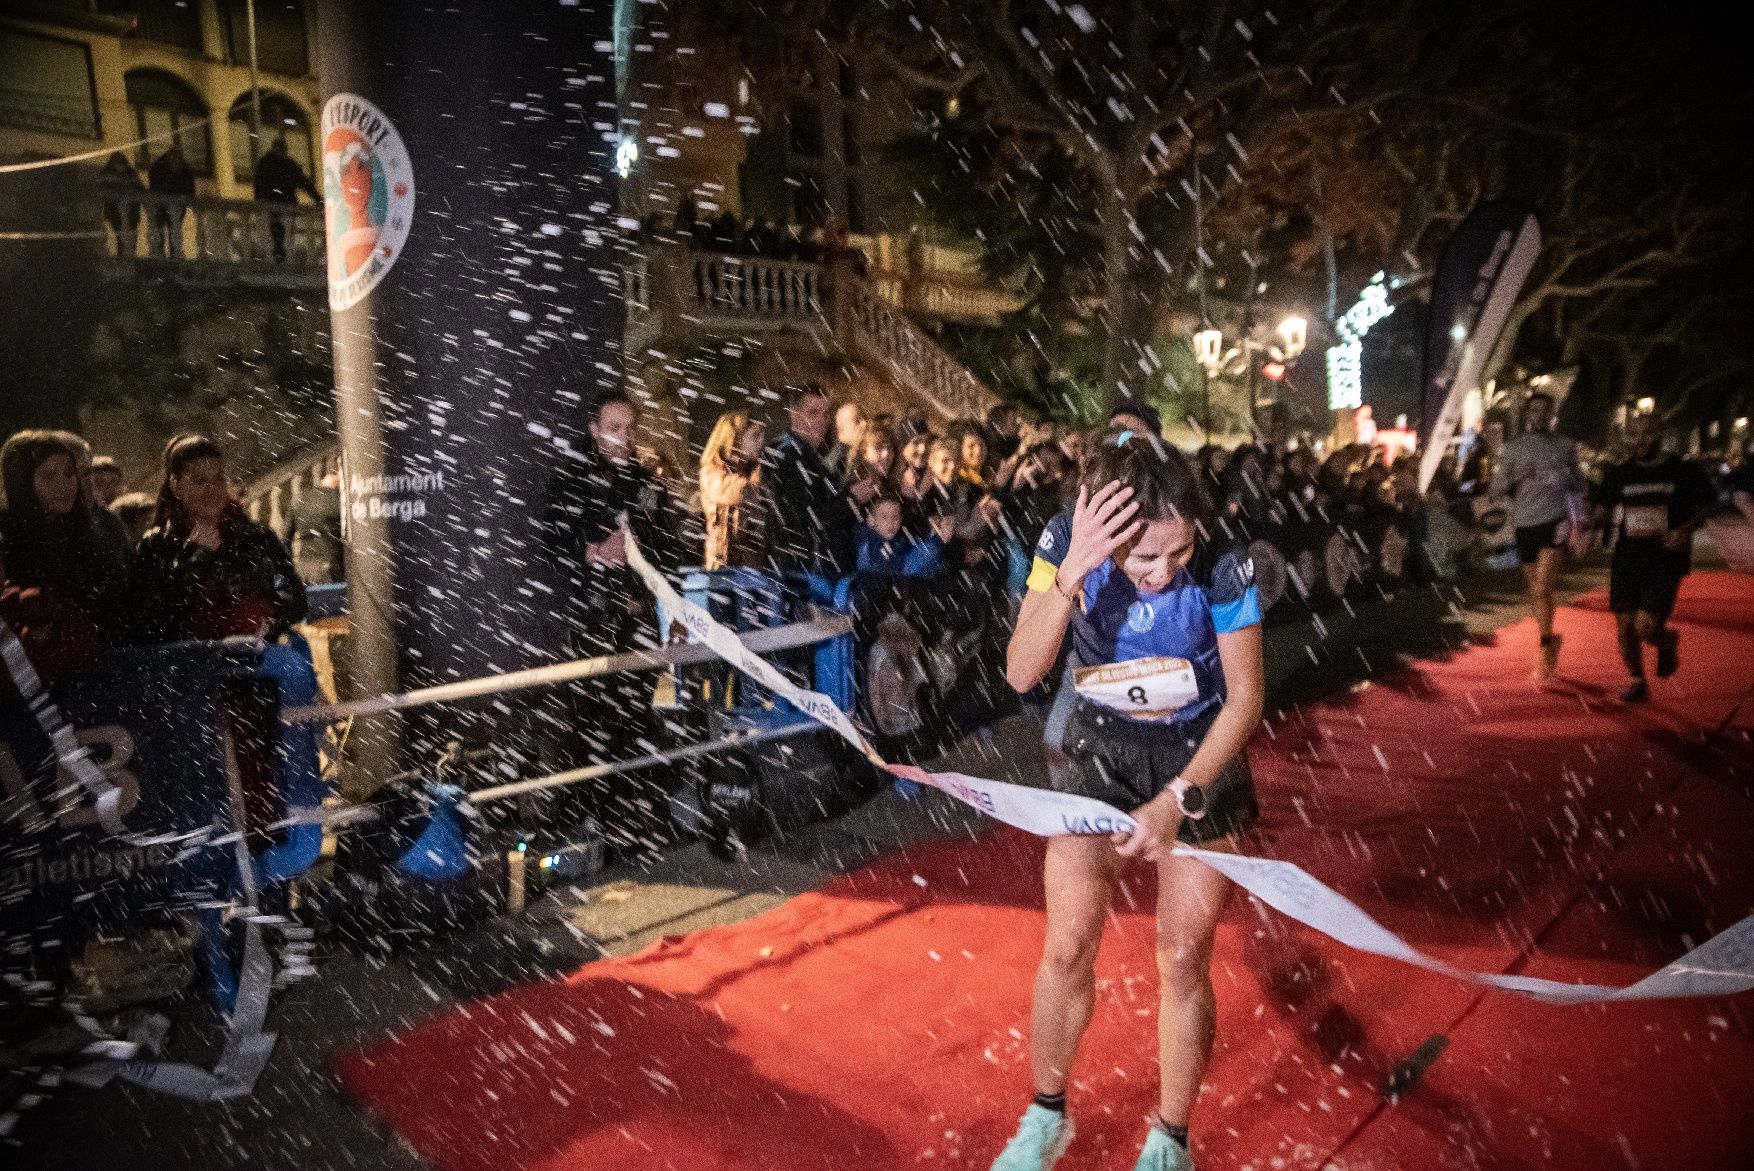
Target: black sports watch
1189 798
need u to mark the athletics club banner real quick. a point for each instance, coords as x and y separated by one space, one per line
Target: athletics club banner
145 723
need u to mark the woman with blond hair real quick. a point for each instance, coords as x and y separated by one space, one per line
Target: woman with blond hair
730 487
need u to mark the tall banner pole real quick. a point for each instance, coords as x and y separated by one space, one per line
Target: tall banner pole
474 258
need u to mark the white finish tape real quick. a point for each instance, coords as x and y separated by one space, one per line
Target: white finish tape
1721 966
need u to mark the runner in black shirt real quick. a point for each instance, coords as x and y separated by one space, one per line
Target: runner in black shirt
1659 501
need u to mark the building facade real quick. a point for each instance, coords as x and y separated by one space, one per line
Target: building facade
83 75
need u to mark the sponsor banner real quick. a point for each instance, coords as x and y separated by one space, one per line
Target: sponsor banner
134 742
1478 278
1723 965
115 788
368 197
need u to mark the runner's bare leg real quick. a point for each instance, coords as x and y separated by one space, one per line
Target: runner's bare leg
1079 879
1190 898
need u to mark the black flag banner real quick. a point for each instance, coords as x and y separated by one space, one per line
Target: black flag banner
1477 281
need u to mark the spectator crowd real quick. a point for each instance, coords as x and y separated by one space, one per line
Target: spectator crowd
923 531
84 565
276 181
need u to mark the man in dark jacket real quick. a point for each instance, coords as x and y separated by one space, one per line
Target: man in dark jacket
279 179
608 610
172 183
809 523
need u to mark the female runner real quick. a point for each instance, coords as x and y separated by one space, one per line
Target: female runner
1161 691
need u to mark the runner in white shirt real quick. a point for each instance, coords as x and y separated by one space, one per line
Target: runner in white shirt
1538 470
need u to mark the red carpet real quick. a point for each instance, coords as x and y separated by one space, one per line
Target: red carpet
880 1022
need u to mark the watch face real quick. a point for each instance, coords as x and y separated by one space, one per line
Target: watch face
1193 800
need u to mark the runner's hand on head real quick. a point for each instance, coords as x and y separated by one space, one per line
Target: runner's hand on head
611 550
1155 825
1101 523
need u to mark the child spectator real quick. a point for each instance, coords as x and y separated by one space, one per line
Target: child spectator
884 550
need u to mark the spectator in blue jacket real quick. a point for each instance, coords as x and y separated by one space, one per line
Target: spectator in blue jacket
884 550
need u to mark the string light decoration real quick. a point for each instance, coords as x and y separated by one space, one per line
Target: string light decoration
1346 360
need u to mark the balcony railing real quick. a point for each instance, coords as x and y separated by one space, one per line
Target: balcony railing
672 291
218 239
754 287
956 300
272 497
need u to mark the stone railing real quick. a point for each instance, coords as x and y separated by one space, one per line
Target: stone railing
675 291
272 497
883 335
754 287
218 239
957 300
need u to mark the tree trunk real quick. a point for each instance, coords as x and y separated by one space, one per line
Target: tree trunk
1134 299
1120 374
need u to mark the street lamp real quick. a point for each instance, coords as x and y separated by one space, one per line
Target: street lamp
1294 333
1209 350
1646 405
1215 359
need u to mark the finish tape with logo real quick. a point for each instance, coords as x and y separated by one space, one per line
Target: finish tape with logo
1721 966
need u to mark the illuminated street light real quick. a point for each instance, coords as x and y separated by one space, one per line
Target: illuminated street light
1294 332
1345 360
626 155
1646 405
1209 350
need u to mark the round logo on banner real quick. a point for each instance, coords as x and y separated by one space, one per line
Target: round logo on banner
368 196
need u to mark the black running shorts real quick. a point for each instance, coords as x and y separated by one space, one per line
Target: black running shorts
1644 583
1126 763
1532 539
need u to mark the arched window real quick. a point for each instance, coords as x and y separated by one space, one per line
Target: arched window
280 116
161 104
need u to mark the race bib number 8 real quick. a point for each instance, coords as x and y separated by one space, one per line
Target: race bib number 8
1152 689
1647 520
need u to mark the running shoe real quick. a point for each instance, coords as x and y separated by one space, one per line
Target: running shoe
1041 1138
1546 659
1163 1153
1637 692
1668 654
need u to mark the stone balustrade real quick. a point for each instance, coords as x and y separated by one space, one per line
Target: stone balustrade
218 239
272 497
883 334
674 290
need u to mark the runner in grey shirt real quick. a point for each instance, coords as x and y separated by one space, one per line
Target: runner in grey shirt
1539 471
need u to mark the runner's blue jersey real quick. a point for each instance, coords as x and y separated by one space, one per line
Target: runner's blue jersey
1213 594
